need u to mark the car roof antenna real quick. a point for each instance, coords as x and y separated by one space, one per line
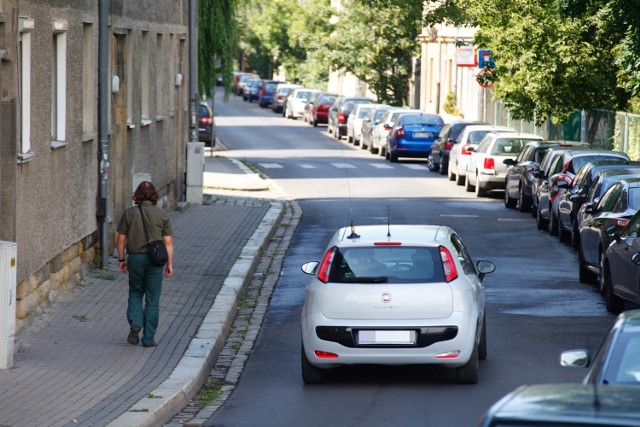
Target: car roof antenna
353 234
388 222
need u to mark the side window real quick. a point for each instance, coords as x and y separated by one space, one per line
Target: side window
463 255
482 148
556 166
524 154
610 198
633 228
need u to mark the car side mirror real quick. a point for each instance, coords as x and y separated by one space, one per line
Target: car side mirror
310 267
589 208
485 267
575 197
613 232
538 174
509 162
574 359
635 258
471 148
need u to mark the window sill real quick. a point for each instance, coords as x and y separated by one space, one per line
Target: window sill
160 118
58 144
145 122
26 157
88 137
130 125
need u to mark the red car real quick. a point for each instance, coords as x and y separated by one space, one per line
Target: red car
320 109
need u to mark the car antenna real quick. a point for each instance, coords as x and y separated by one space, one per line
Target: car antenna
388 222
353 234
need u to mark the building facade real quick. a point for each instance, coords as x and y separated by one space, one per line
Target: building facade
51 163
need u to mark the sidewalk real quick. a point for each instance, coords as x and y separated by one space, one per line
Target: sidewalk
75 367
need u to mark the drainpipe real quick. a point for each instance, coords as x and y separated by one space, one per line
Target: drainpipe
193 68
102 205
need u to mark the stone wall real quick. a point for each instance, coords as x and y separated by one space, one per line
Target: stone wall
57 277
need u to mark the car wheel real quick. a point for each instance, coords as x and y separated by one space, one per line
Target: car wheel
585 275
523 201
443 166
541 223
431 165
450 174
315 123
480 191
482 346
469 373
553 223
613 302
349 138
575 235
508 201
310 374
393 158
563 234
467 184
372 150
459 179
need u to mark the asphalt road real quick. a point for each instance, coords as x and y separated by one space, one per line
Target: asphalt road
536 306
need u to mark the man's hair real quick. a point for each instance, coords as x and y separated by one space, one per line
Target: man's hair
145 191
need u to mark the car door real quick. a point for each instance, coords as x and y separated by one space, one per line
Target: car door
625 273
546 183
598 218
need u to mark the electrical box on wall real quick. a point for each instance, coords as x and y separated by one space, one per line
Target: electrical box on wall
7 302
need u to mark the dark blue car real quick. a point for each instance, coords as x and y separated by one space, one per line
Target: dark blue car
267 89
413 135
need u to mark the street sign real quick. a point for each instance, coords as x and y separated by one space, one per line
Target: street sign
466 56
485 60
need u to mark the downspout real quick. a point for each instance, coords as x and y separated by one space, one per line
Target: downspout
102 208
193 68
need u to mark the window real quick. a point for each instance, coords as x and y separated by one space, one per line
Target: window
88 81
26 26
59 84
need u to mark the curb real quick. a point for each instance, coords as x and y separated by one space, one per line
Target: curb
192 371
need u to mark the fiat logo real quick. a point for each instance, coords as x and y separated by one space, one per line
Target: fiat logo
386 297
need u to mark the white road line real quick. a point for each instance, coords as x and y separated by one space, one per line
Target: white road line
414 166
343 166
514 219
307 166
271 165
381 165
458 216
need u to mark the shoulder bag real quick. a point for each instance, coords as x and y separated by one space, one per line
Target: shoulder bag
156 249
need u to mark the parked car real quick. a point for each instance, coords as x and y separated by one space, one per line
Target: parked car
459 154
372 119
266 92
616 208
355 120
320 110
566 405
277 101
206 125
251 90
423 272
380 132
339 114
519 177
242 81
439 158
412 136
307 112
296 100
570 201
621 269
617 362
486 169
564 168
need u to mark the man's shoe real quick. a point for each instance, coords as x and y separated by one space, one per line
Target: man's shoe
133 335
153 344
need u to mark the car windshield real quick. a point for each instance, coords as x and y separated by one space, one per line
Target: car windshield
422 119
624 366
386 264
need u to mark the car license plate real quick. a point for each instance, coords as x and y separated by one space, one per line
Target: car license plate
386 337
423 135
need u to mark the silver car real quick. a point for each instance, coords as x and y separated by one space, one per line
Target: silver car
394 295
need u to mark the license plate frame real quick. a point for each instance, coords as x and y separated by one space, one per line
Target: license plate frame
386 337
423 135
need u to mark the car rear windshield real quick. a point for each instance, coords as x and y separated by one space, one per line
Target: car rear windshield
578 162
422 119
387 264
508 146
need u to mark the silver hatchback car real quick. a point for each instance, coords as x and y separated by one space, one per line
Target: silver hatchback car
394 295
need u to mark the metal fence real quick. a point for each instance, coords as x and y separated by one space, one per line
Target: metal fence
611 130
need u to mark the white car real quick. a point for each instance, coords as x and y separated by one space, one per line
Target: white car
380 131
355 120
459 155
486 169
297 99
394 295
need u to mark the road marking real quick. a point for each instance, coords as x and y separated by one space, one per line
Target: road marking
381 165
343 166
271 165
514 219
415 167
307 166
458 216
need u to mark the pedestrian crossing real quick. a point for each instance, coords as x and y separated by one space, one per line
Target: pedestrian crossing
346 165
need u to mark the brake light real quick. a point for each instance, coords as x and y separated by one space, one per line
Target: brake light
448 145
264 92
489 163
323 273
341 118
621 223
325 355
464 151
206 120
449 266
400 133
387 243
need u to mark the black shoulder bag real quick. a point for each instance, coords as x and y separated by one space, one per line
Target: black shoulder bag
157 251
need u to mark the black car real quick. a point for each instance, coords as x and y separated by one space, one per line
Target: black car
339 114
570 201
439 158
519 180
615 208
621 268
206 125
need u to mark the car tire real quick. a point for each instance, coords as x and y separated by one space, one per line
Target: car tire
372 150
315 123
431 165
584 274
310 374
523 202
509 203
541 223
450 174
459 179
469 373
552 226
467 184
575 235
563 234
613 302
482 346
393 158
443 166
480 190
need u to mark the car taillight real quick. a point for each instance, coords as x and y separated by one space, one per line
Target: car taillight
323 273
341 118
621 223
279 97
448 145
449 266
264 92
489 163
400 133
205 120
325 355
464 151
